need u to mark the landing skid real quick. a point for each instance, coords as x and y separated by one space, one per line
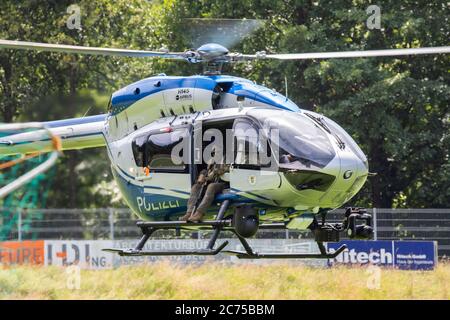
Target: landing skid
256 255
250 254
201 252
218 225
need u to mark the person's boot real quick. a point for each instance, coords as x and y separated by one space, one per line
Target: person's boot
196 217
185 217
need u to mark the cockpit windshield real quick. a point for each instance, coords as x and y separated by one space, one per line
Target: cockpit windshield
301 143
348 140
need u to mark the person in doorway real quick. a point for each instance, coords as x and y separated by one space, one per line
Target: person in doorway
196 191
209 179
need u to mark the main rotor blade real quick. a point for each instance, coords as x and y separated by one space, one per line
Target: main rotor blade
25 45
349 54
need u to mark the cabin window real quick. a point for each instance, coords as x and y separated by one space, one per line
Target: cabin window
155 151
138 147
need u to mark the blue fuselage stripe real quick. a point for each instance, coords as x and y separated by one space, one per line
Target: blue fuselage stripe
127 96
250 193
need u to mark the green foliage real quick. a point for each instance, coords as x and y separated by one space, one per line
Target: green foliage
175 281
395 108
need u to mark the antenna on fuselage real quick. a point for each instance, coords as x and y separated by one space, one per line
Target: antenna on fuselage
286 86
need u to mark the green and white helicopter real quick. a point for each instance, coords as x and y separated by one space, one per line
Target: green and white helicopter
287 166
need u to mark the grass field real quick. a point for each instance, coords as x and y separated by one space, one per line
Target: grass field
215 281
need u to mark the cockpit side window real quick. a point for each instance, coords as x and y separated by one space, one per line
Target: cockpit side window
251 149
245 142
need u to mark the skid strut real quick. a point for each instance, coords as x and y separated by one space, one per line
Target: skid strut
148 228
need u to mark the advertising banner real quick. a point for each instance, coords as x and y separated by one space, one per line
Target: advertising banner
87 254
22 252
259 245
414 255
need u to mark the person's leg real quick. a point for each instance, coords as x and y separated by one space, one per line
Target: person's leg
195 193
211 192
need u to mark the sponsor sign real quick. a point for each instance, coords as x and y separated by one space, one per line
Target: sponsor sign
259 245
22 252
415 255
362 252
87 254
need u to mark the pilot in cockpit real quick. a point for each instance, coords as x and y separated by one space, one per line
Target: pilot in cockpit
287 158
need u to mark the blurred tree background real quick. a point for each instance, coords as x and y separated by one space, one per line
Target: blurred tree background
395 108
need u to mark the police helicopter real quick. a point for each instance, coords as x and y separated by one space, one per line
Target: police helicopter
311 165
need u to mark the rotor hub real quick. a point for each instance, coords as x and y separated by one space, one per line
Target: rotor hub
212 51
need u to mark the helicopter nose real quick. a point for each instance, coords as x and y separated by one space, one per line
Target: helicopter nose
353 174
352 166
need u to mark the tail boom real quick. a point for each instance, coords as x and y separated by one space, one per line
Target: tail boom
76 133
